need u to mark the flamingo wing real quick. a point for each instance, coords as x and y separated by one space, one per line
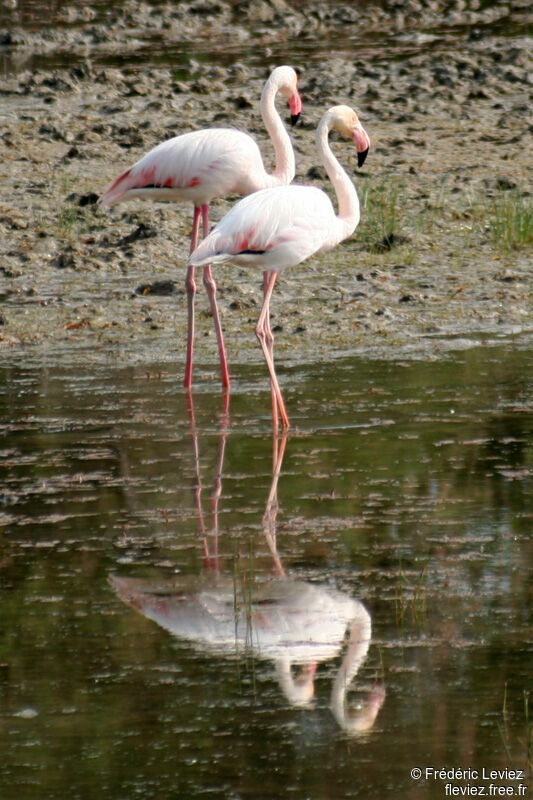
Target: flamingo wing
273 229
195 166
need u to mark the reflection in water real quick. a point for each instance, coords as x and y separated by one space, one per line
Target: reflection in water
416 475
294 623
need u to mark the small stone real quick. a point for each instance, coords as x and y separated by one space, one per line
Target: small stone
158 288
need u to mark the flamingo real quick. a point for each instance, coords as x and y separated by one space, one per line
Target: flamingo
202 165
280 227
293 623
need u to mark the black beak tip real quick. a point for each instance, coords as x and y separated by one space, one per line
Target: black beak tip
294 119
361 157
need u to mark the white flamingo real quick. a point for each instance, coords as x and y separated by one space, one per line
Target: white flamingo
205 164
280 227
290 622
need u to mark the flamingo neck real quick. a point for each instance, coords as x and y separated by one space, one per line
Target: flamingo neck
358 644
347 199
285 164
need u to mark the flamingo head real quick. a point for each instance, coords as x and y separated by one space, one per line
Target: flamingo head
286 80
298 686
344 120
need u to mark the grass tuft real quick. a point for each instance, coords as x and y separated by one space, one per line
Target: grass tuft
382 215
411 598
510 220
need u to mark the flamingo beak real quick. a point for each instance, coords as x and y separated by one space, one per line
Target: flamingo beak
295 105
362 143
361 156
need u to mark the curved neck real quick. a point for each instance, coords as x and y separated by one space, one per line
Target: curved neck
285 164
348 202
358 644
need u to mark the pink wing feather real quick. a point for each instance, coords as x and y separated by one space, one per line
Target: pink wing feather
196 166
272 229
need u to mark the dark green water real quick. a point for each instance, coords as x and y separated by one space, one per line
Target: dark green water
404 485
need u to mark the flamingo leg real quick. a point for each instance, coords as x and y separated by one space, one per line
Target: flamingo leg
211 289
272 506
260 332
190 285
209 552
269 339
217 478
197 488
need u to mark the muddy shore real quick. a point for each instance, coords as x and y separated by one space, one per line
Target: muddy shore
424 271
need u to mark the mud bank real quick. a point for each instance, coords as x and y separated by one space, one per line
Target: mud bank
443 90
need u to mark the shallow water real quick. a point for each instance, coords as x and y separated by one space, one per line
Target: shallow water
405 486
155 38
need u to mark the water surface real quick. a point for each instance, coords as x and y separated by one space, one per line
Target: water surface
405 489
157 37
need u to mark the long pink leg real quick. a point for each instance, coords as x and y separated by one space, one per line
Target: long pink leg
269 340
260 332
190 285
211 289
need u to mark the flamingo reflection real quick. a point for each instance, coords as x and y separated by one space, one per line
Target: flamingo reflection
293 623
210 558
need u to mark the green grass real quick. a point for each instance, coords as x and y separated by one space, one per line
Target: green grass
504 219
411 597
382 214
399 230
510 220
72 221
67 222
503 727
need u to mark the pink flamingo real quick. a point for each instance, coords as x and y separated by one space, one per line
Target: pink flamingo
205 164
278 228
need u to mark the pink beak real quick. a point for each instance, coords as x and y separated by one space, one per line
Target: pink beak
295 105
362 143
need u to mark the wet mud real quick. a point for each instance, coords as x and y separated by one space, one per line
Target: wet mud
443 89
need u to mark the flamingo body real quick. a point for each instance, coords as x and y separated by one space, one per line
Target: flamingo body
286 619
273 229
196 167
